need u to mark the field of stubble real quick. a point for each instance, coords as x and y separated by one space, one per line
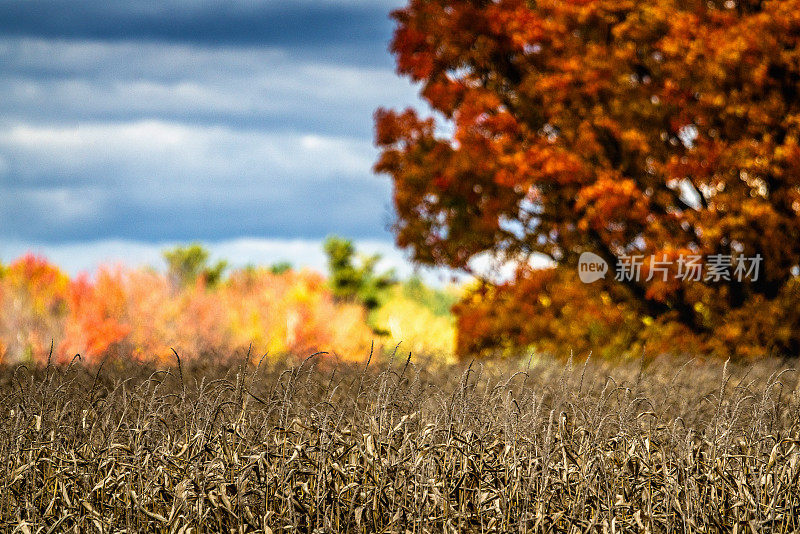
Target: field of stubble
400 446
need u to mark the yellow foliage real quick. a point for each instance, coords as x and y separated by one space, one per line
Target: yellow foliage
416 327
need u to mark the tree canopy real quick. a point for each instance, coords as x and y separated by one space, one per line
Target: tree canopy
651 128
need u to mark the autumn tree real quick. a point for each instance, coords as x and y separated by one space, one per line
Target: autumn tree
658 128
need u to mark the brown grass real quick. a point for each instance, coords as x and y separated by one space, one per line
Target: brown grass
400 447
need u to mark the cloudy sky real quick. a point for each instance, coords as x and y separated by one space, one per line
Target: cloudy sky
128 126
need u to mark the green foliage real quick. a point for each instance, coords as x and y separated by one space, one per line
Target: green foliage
186 263
352 282
281 267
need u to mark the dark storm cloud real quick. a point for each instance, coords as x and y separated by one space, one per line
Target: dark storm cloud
300 214
266 88
271 23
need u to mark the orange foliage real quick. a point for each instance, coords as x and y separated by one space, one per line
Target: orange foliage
552 312
147 315
191 320
606 126
33 306
93 322
295 313
547 309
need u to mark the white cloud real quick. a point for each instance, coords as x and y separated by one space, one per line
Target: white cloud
66 205
155 179
166 152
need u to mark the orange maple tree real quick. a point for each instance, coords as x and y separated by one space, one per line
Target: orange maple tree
620 127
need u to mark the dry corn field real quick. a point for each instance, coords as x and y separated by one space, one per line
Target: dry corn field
401 446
